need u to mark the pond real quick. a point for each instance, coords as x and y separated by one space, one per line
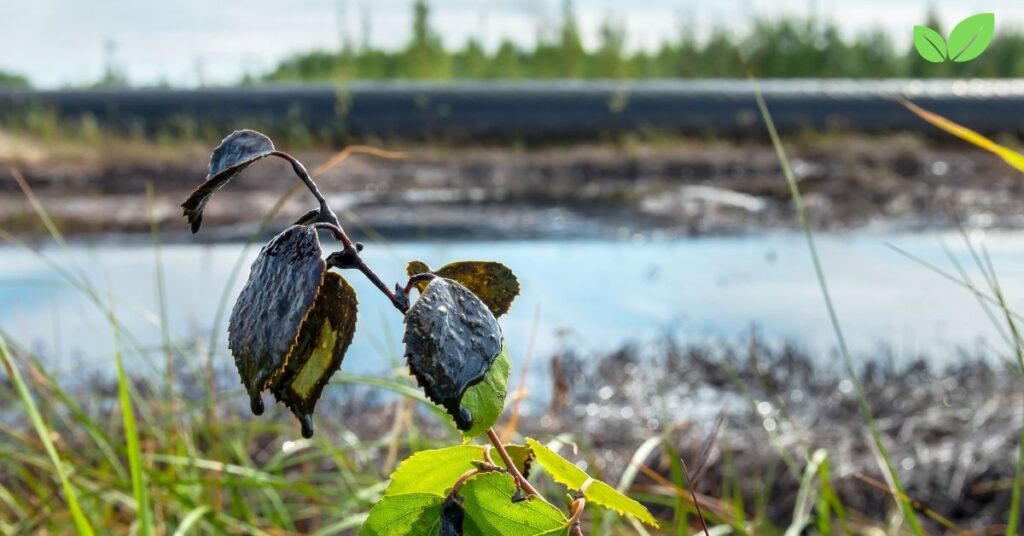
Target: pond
592 295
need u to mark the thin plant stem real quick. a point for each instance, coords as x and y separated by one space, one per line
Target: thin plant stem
510 465
577 512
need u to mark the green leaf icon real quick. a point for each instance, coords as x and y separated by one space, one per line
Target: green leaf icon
930 44
971 37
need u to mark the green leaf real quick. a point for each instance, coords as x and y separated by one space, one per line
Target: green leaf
489 509
522 456
561 470
971 37
433 471
406 514
131 433
486 400
929 44
603 494
566 473
493 282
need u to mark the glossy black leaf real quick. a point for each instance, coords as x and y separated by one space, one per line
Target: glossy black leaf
451 340
265 322
319 349
452 516
235 152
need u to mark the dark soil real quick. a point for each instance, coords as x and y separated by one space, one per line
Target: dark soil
673 187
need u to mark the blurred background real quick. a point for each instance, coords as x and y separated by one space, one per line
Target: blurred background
613 155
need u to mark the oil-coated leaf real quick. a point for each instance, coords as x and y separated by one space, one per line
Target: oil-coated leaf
408 514
452 516
265 322
493 282
325 335
971 36
486 400
451 340
489 509
235 152
597 492
433 471
929 44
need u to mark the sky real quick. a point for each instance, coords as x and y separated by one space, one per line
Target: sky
57 43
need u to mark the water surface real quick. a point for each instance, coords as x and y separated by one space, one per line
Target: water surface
593 295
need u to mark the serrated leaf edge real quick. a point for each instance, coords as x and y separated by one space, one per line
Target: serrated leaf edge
586 484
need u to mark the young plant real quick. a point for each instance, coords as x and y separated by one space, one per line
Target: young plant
294 320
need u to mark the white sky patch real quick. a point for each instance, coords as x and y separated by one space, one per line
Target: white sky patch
183 42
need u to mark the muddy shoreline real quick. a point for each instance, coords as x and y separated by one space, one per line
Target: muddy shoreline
745 415
677 188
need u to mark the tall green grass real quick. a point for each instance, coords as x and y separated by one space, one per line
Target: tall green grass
45 437
1015 160
905 506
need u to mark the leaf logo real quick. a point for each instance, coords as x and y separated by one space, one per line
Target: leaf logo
967 41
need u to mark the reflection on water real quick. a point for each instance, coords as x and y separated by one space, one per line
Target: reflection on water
605 292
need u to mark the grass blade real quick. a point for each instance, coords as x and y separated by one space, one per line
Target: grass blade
1018 480
191 519
1011 157
81 523
131 434
1015 160
794 189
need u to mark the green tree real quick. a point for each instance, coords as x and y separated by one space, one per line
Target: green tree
425 56
609 60
471 62
13 80
571 54
507 61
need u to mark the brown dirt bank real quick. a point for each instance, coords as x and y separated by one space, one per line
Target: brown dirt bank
679 187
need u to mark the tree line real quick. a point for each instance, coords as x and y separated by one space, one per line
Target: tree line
777 48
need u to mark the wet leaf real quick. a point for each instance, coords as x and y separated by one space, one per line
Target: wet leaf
416 268
451 340
493 282
266 319
452 516
597 492
405 515
235 152
487 501
434 471
319 349
486 400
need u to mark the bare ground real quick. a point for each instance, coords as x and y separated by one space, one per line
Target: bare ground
677 187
